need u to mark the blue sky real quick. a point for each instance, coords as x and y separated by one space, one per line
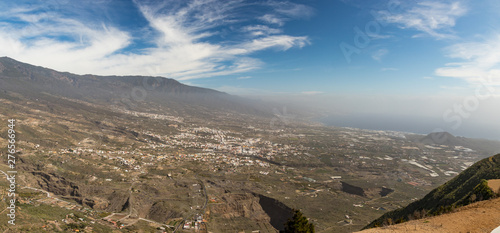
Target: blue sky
433 54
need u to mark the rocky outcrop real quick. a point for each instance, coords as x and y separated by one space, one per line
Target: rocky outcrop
118 201
161 211
256 207
241 205
56 184
96 203
99 198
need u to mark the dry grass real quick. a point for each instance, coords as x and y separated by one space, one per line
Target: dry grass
494 185
482 216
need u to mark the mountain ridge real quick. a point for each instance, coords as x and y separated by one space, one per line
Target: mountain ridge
125 91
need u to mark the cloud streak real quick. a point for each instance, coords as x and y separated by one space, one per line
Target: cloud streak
186 42
480 63
429 17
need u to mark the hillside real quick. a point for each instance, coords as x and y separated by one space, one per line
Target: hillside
129 92
98 145
443 138
465 188
477 217
447 140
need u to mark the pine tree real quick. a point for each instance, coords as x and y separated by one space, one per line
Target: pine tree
298 224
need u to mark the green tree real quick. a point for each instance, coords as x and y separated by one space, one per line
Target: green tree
298 224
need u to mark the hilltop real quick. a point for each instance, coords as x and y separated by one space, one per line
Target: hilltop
447 139
443 138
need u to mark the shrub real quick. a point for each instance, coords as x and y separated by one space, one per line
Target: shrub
482 191
298 224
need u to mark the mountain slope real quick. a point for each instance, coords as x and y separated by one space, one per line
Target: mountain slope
131 92
461 190
444 138
111 143
477 217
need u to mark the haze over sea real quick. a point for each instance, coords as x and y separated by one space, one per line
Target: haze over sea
419 125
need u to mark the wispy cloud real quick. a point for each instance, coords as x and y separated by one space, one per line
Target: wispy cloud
245 77
47 38
272 19
430 17
389 69
261 30
480 62
284 11
379 54
290 9
185 42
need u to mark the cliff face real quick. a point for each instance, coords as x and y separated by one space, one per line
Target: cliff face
277 211
256 207
93 196
241 205
469 186
56 184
